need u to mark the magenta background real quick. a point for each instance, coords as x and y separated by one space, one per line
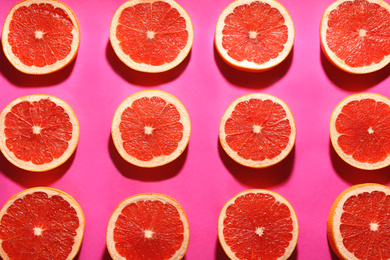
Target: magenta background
204 177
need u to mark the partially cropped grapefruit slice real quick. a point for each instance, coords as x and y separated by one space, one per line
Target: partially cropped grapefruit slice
151 128
358 223
359 130
151 35
355 35
148 226
254 35
258 224
38 132
40 36
41 223
257 130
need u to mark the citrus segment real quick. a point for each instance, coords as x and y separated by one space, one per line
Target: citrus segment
151 128
38 132
40 36
358 223
359 130
148 226
258 224
41 223
355 35
151 36
254 35
257 130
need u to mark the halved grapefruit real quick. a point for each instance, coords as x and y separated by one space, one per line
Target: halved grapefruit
254 35
355 35
40 36
359 130
151 35
257 130
258 224
38 132
151 128
148 226
41 223
358 223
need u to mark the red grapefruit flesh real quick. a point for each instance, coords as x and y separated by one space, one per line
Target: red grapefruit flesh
38 132
40 36
258 224
151 128
253 35
41 223
359 130
257 130
355 35
148 226
151 35
359 221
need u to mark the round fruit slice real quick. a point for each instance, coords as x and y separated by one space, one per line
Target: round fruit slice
253 35
359 130
41 223
38 132
258 224
257 130
151 35
148 226
358 223
354 35
151 128
40 36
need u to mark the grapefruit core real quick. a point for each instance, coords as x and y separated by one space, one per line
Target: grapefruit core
358 223
253 35
151 128
355 35
258 224
359 130
148 226
38 132
41 223
151 35
40 36
257 130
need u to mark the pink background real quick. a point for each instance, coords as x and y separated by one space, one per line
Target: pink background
204 177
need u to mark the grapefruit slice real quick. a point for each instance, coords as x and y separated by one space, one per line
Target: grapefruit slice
257 130
151 128
151 35
253 35
148 226
41 223
358 223
355 35
258 224
38 132
359 130
40 36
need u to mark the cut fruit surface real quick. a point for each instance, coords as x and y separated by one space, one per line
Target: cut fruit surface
38 132
151 128
151 35
257 130
355 35
258 224
148 226
40 36
358 223
359 130
253 35
41 223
